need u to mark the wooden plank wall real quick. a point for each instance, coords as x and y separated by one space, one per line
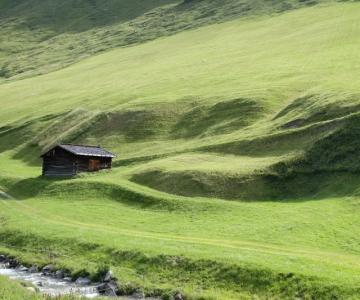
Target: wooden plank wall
58 167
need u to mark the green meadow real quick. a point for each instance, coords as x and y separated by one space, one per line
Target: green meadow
237 142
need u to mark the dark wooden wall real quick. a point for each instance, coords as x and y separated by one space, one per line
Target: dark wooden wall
58 163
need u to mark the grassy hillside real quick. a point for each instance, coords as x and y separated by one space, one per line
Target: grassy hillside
42 36
237 173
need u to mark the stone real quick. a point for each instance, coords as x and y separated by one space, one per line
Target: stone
68 279
108 277
39 284
33 269
47 270
178 296
13 263
83 281
138 295
2 258
108 289
60 274
23 268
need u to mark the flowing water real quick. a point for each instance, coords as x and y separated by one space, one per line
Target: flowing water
54 287
49 285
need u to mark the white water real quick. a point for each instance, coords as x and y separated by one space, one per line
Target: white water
49 285
55 287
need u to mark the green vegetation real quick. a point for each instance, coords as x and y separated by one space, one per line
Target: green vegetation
237 173
13 290
235 248
44 36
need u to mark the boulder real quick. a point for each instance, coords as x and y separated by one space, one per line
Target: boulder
138 295
2 258
60 274
83 281
23 268
178 296
13 263
47 270
33 269
108 276
108 289
68 279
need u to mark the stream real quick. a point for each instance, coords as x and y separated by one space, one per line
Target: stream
51 286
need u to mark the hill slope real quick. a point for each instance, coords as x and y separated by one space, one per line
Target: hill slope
46 35
259 105
280 82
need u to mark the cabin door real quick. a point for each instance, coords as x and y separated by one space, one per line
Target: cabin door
94 165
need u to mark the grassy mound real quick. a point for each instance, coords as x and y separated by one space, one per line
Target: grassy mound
269 186
223 117
334 153
338 151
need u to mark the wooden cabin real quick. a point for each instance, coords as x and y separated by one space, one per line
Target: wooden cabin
66 160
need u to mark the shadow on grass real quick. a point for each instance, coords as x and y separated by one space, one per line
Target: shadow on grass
262 187
79 190
31 187
88 14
